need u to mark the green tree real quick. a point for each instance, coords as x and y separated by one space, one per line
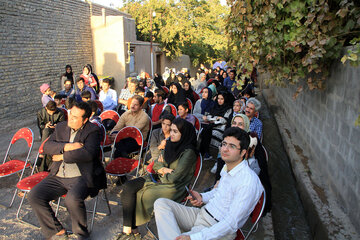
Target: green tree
192 27
293 39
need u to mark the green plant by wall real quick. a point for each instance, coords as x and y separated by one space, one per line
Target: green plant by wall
293 39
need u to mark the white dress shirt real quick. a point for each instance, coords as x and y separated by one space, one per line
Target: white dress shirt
109 99
231 202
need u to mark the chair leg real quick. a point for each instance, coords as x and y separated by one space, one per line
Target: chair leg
13 198
21 203
57 207
93 213
148 228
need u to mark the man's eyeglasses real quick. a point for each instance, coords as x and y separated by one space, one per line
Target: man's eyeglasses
229 145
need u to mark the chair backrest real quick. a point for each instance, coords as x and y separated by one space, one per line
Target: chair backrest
26 134
166 90
197 123
197 172
100 105
103 130
266 154
132 132
150 169
173 109
255 217
190 105
196 96
65 112
40 151
110 114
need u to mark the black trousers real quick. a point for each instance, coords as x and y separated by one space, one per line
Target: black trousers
51 188
128 200
205 136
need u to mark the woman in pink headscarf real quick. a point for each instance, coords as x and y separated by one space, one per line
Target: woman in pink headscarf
46 91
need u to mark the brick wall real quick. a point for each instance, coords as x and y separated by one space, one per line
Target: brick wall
37 39
326 121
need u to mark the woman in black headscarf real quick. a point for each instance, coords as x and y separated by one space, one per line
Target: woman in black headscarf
158 80
67 75
217 121
174 169
189 93
171 79
177 95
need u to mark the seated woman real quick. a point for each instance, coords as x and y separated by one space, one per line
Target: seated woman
217 121
177 95
175 168
189 92
159 136
205 105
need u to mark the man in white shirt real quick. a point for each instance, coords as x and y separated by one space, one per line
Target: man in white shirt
224 209
108 96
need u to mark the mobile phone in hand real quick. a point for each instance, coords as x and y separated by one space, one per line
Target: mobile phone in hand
191 194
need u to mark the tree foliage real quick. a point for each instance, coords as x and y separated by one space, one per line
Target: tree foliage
293 39
192 27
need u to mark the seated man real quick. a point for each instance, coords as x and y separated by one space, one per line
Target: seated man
108 96
158 108
76 171
226 207
134 117
68 91
94 117
47 119
125 94
159 136
252 107
80 82
183 112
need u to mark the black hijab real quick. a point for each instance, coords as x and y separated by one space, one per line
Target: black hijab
207 104
189 93
177 98
187 141
220 110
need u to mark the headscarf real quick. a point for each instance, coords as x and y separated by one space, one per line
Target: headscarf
69 75
207 104
220 110
245 119
187 141
44 87
189 93
177 98
159 80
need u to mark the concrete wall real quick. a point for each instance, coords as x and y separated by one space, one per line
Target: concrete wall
325 120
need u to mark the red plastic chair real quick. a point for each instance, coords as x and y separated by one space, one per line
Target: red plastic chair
28 183
255 217
100 105
65 113
190 105
196 96
121 166
197 124
173 109
166 90
109 114
11 167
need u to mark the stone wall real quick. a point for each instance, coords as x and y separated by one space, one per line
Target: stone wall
325 120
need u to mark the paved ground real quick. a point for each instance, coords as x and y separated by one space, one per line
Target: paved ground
105 227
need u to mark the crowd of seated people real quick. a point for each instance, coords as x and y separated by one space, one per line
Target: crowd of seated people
212 97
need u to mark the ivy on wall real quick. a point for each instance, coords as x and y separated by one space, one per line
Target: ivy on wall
293 39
